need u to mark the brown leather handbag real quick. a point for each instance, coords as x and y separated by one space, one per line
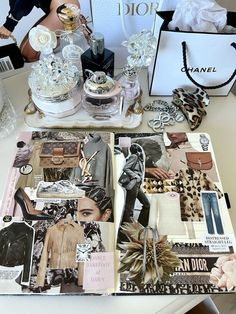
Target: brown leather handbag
60 154
199 160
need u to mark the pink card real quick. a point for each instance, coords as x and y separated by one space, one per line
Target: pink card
99 272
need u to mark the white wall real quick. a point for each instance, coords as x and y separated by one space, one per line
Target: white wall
230 5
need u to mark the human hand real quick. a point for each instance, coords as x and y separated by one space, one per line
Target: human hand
171 174
138 178
157 173
4 33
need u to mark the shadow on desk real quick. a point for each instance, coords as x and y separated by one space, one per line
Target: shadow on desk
234 89
205 307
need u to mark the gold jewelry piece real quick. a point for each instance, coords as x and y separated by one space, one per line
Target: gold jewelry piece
30 108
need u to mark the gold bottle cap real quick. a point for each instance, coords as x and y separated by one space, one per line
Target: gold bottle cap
68 14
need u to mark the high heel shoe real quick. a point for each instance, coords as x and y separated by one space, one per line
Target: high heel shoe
29 213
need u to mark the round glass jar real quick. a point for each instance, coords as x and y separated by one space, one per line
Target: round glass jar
55 87
102 96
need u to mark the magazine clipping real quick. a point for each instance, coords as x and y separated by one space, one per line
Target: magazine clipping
110 214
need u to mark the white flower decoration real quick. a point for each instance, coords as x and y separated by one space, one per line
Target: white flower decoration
42 39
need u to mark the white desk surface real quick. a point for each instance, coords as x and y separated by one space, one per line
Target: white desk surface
220 123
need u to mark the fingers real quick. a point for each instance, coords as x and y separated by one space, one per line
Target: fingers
158 173
4 33
4 36
161 174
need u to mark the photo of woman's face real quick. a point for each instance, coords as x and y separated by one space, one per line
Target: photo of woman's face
87 210
177 137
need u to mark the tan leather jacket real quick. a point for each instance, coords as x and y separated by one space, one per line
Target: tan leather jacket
59 250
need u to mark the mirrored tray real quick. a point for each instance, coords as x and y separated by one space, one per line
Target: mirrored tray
81 119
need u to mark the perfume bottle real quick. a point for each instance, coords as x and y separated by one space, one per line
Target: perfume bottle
98 58
130 84
72 40
102 97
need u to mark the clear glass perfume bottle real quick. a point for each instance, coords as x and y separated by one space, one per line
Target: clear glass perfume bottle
130 84
72 40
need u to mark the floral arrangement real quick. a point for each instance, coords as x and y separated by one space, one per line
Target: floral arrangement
223 275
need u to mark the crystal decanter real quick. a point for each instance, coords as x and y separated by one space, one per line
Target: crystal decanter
72 40
55 86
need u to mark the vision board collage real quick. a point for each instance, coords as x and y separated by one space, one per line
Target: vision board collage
109 214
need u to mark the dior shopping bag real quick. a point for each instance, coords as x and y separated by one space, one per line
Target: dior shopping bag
189 59
167 5
126 17
59 154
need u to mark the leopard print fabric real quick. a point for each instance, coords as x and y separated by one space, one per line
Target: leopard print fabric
192 182
188 183
192 104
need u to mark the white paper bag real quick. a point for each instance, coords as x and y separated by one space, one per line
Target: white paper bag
211 59
109 20
167 5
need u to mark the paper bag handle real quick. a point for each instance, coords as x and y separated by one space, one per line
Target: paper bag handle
184 50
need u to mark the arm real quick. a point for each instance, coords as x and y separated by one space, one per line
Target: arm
28 255
131 161
44 260
18 9
81 264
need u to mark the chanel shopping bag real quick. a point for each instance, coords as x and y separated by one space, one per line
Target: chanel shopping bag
119 19
189 59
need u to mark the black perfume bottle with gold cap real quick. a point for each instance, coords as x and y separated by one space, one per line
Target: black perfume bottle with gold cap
97 58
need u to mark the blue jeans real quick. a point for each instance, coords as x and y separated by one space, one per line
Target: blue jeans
211 208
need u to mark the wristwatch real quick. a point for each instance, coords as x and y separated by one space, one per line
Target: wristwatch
204 142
